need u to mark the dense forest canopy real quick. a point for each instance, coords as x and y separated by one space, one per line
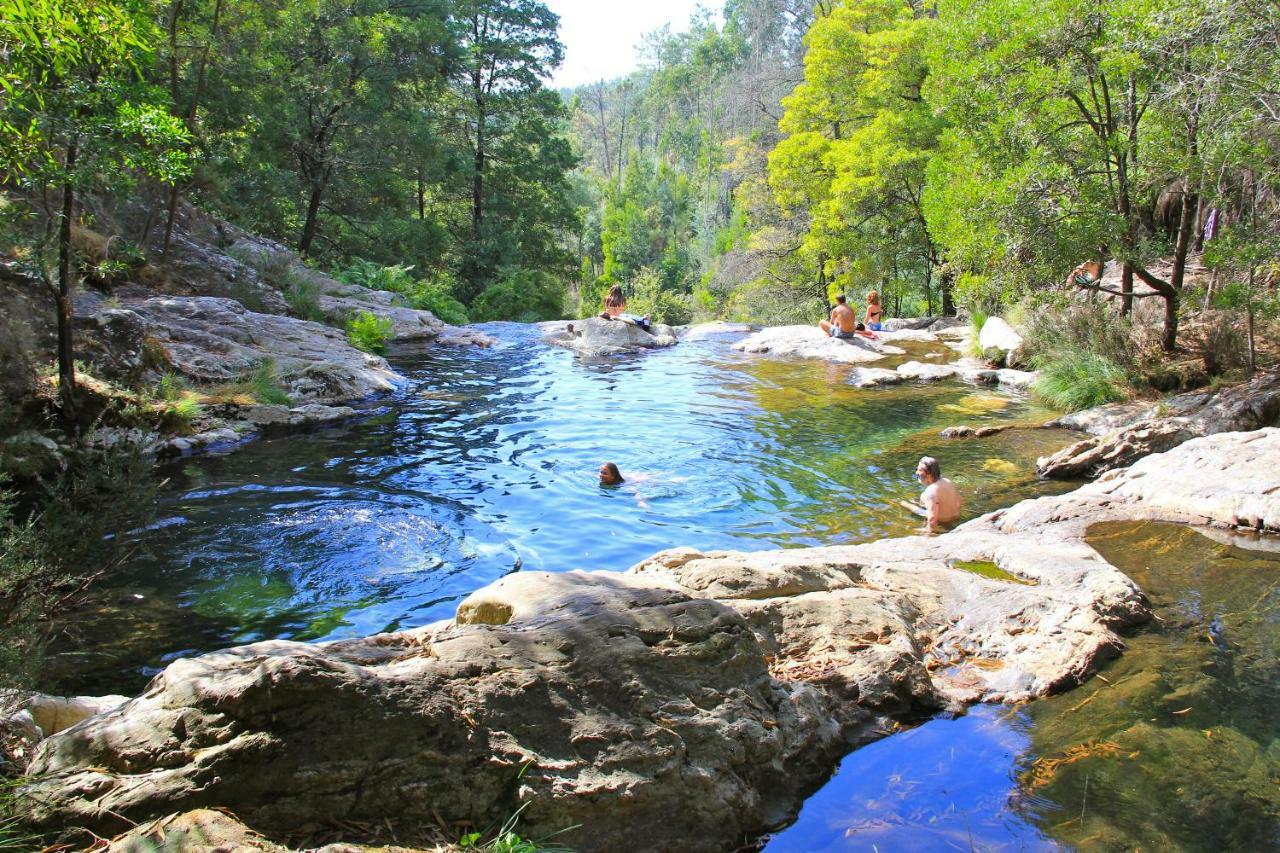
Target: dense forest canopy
957 153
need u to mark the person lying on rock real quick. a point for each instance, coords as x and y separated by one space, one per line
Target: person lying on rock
940 501
615 308
844 323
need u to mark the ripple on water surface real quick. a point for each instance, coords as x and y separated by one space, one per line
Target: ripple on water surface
487 462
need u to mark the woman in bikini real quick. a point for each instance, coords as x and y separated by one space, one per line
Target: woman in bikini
875 312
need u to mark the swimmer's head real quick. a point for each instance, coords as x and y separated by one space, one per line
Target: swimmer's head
610 475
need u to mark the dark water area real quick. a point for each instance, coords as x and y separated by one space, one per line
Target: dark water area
1176 746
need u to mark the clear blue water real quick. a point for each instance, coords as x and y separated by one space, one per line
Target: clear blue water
486 464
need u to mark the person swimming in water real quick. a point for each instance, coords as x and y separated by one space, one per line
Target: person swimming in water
610 475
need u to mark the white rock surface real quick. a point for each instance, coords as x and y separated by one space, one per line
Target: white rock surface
595 337
812 342
997 334
927 372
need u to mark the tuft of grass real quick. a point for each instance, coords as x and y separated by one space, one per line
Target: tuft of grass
178 415
170 387
368 332
1080 380
505 840
303 296
265 387
978 318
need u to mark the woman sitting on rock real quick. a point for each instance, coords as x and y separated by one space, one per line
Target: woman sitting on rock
615 308
875 312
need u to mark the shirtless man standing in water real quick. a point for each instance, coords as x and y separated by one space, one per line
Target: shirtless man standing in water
940 501
844 323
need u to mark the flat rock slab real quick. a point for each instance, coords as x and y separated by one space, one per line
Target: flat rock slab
702 331
928 372
218 340
595 337
812 342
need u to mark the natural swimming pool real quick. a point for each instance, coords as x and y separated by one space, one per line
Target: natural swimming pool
485 464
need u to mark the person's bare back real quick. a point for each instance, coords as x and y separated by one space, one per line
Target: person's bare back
844 322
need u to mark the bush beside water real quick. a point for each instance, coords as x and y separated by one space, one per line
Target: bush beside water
368 332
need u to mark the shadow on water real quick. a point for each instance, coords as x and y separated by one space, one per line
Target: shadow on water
487 463
1175 747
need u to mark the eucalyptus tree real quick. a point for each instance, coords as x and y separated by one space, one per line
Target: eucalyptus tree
508 121
76 117
858 139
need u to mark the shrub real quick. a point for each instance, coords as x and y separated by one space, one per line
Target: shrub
434 296
1224 346
649 298
1079 380
525 296
978 318
369 332
437 297
177 415
56 545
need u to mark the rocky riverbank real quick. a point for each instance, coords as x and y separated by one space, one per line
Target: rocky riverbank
688 703
223 305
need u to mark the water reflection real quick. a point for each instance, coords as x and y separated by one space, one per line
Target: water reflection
1176 746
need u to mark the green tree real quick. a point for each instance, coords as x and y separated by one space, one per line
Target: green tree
509 124
77 118
859 139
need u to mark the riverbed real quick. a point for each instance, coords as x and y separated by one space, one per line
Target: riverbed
486 464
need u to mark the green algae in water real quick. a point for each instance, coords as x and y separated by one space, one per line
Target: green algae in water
1179 747
988 569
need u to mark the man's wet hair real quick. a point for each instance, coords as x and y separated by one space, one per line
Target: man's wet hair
930 466
840 298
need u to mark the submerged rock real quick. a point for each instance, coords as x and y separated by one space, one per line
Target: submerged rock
812 342
594 337
1125 433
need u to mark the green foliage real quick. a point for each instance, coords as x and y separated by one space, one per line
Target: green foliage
505 840
56 545
436 297
1079 380
303 297
265 386
526 296
1085 357
368 332
649 298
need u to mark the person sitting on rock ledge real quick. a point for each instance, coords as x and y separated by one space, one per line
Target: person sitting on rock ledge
875 313
940 502
844 323
615 308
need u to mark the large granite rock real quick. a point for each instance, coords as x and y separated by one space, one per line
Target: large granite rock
685 704
1125 433
595 337
219 340
1000 343
812 342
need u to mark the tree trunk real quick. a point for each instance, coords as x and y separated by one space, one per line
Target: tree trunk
422 196
1169 340
945 284
1126 289
313 215
66 345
